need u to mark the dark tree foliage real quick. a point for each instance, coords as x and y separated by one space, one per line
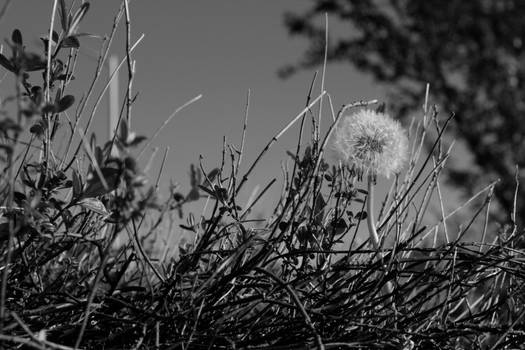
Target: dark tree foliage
471 52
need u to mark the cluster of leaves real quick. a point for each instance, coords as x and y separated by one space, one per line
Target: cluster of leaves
303 278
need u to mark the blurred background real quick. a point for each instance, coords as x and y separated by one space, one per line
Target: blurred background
470 52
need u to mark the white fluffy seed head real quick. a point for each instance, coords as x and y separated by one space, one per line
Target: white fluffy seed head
372 142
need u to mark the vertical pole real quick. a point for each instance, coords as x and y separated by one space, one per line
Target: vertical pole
113 115
113 100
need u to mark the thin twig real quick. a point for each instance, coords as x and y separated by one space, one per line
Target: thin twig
98 70
47 92
131 65
103 260
195 99
4 8
323 75
42 343
244 125
274 139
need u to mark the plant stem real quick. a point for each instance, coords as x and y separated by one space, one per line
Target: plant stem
374 237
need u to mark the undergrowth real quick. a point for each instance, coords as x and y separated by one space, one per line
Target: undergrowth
75 222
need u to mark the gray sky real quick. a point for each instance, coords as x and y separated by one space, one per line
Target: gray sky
218 48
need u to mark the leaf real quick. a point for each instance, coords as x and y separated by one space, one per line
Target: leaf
77 184
89 35
130 164
222 193
19 197
49 108
339 226
208 191
37 129
95 187
64 77
38 97
137 140
283 226
6 63
304 235
123 131
64 103
58 95
54 36
94 204
213 174
77 18
361 215
193 195
99 155
93 141
195 176
319 205
177 196
293 156
188 228
17 37
71 42
26 179
33 62
63 16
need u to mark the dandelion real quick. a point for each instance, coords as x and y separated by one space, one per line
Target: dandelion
372 142
375 144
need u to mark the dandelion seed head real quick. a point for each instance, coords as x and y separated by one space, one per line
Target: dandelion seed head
372 142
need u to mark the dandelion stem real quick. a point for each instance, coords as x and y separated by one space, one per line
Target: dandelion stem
374 237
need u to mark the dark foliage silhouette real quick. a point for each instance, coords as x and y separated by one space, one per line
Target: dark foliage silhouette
471 52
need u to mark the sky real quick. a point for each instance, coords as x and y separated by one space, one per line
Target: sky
217 48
